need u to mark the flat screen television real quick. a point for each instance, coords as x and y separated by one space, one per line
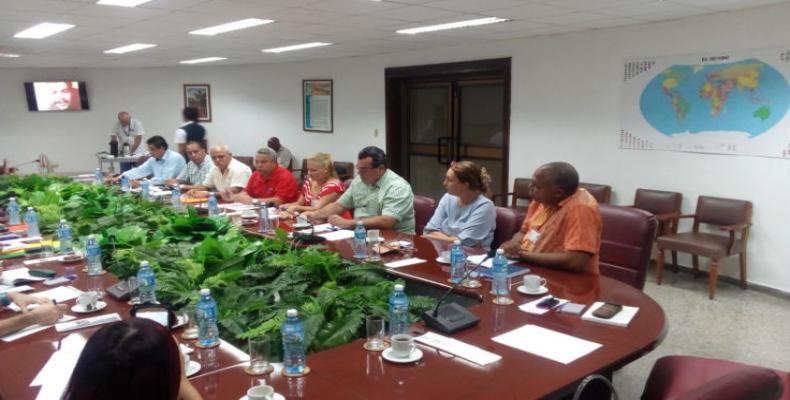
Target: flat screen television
56 96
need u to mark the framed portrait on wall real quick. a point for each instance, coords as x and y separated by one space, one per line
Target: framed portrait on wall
317 99
198 95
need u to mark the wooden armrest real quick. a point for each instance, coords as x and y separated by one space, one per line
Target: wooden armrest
502 194
736 227
686 216
669 216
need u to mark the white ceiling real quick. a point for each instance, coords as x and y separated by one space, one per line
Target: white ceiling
356 27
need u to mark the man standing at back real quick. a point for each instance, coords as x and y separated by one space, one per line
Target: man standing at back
284 156
380 198
563 225
128 132
190 131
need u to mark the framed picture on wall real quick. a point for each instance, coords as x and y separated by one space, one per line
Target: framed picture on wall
198 95
317 105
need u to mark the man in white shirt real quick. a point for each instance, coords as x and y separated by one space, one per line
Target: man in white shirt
128 131
284 156
228 176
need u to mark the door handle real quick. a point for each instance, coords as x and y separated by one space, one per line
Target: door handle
440 158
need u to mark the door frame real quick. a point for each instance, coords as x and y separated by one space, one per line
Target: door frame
396 79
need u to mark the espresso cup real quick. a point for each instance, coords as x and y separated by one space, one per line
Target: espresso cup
402 345
533 282
445 255
261 392
87 300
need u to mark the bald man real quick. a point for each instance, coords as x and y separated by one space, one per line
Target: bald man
228 176
128 130
563 224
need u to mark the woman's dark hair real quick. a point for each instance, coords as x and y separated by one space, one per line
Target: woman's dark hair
376 154
190 113
126 360
472 173
157 141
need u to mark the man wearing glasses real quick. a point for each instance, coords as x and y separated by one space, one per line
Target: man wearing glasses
229 176
380 198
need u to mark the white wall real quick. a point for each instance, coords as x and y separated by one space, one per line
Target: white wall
565 106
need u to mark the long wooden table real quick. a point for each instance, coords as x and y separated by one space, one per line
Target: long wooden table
350 372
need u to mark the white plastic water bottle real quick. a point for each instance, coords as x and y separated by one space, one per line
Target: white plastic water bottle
457 262
360 241
93 256
265 222
206 316
398 311
293 343
31 219
64 237
13 212
213 206
145 189
499 285
175 197
98 177
147 283
125 183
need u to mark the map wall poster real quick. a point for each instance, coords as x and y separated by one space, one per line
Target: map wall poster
317 104
733 103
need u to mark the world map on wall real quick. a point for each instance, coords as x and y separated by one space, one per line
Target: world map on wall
746 96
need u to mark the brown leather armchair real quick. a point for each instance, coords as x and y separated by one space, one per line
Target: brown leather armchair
508 222
520 192
666 206
344 170
246 160
602 193
729 215
626 243
424 207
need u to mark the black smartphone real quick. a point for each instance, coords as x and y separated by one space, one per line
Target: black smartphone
607 310
549 303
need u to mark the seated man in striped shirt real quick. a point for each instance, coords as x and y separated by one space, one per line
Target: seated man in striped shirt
197 168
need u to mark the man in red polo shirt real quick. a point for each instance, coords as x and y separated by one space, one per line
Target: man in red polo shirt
270 183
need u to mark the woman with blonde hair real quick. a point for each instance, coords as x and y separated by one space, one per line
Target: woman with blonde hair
464 213
320 188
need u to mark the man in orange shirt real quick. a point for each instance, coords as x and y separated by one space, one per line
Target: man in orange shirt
563 225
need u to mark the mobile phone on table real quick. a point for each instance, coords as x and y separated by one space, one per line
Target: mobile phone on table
607 310
548 303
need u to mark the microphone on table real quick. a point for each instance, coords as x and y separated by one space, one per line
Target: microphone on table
453 317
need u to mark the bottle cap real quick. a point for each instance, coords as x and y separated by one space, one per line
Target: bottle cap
291 312
359 223
91 237
205 292
30 208
457 242
500 251
62 221
143 263
398 287
12 199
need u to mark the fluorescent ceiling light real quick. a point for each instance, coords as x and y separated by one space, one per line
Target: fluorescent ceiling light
203 60
129 48
453 25
43 30
232 26
9 55
122 3
296 47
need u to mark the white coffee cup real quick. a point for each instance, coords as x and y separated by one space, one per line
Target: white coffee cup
87 300
261 392
445 255
533 282
402 345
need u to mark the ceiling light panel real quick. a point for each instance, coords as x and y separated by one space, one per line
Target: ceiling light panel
203 60
452 25
296 47
43 30
122 3
129 48
232 26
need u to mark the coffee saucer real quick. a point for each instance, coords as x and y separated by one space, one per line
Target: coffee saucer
442 260
415 355
523 290
301 225
193 368
276 396
78 308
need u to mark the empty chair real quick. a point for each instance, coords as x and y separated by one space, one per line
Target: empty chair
520 192
626 242
344 169
728 215
508 222
602 193
665 206
687 377
424 207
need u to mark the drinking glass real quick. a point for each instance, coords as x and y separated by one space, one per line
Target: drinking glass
374 325
134 290
191 329
472 276
503 297
259 356
373 242
70 272
406 246
274 219
96 285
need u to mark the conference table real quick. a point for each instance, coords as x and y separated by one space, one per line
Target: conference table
351 372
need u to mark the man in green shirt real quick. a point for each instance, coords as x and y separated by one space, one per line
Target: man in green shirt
380 198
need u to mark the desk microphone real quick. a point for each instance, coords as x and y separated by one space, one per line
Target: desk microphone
453 317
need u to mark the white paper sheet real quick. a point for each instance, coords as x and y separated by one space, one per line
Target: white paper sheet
60 294
547 343
532 306
404 262
342 234
32 329
458 348
10 275
488 264
87 322
55 375
43 260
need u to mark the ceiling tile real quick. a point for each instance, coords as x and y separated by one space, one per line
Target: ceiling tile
474 6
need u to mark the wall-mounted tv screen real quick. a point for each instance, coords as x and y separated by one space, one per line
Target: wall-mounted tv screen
56 96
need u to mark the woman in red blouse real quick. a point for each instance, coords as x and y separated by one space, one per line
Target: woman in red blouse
320 188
